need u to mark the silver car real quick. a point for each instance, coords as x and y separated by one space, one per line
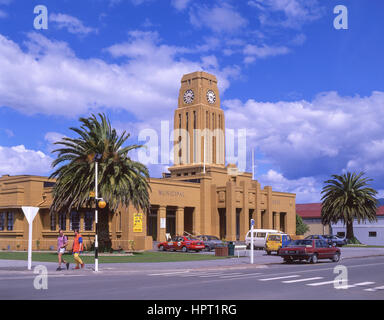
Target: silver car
211 242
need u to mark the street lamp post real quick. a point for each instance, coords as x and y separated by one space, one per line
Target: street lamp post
97 159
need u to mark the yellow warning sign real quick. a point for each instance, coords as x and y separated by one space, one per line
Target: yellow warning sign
138 222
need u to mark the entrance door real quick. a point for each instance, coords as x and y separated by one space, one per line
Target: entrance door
188 219
223 223
171 222
152 224
238 211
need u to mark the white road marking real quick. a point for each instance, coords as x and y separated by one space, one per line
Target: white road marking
221 274
320 283
358 284
375 289
302 280
197 274
278 278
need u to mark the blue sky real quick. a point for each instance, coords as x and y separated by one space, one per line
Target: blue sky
310 97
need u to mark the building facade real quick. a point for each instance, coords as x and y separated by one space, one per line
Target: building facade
311 215
199 195
369 233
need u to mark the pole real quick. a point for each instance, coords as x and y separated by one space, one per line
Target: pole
252 222
30 246
96 222
30 214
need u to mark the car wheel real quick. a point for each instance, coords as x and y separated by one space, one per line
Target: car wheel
288 260
207 249
184 249
269 253
314 258
336 257
161 248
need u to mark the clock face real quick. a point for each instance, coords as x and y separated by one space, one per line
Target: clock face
211 97
188 96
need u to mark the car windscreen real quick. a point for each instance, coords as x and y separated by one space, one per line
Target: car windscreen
274 237
300 243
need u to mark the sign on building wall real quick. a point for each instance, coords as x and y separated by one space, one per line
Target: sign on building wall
138 222
162 223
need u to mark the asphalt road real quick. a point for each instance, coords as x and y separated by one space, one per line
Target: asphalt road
276 281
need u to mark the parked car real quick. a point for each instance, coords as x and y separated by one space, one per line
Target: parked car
336 241
318 237
182 243
276 241
210 242
259 237
309 250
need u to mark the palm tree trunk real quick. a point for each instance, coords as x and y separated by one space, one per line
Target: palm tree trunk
104 239
350 234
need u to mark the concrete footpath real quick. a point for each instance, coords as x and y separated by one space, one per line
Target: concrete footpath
261 260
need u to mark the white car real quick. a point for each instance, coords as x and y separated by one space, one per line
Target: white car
259 237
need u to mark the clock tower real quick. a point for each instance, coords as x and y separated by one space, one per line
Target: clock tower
198 125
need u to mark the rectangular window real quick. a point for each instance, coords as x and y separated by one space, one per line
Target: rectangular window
179 121
88 221
2 221
372 234
10 218
53 221
74 221
62 221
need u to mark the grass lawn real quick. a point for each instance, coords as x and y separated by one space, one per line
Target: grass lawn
147 256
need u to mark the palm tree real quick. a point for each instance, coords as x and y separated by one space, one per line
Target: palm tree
346 198
121 181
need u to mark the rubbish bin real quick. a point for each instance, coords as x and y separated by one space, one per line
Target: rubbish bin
231 248
221 251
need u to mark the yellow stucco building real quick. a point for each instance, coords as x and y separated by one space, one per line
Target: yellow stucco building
200 195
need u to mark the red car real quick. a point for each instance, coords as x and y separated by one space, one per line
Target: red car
182 243
309 250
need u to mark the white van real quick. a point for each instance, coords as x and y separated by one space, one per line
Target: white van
259 237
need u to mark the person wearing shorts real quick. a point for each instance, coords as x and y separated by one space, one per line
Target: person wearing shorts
77 248
62 242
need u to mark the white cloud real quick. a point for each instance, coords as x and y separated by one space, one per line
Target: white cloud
19 160
180 4
295 12
222 18
70 23
57 82
252 52
307 189
53 137
317 138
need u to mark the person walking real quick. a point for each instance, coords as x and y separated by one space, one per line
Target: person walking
62 242
77 248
